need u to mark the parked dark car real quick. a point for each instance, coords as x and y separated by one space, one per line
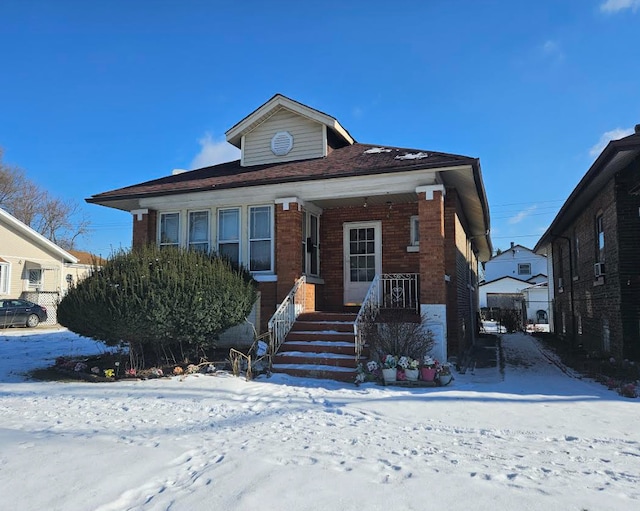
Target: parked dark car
21 313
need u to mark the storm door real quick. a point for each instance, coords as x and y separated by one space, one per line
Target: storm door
362 259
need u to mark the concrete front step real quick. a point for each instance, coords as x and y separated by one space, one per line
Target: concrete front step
327 316
312 326
316 371
317 335
308 358
318 346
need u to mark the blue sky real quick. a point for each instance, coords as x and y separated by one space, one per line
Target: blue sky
103 94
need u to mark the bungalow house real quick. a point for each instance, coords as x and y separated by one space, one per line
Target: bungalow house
313 214
593 253
31 266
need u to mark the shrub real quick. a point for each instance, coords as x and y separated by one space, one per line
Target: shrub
399 334
159 302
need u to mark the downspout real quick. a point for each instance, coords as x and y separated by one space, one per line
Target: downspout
572 300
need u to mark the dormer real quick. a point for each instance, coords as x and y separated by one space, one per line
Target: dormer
283 130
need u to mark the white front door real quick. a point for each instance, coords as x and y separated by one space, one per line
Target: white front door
362 259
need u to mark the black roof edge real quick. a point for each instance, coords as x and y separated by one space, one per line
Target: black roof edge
603 159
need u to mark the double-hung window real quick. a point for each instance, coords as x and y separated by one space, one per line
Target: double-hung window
260 239
524 268
4 278
35 278
415 231
169 230
199 230
229 234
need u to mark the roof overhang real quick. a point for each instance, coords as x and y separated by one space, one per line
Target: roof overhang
467 180
615 157
276 103
35 236
391 187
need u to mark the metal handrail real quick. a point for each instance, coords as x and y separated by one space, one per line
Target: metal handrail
367 313
285 315
398 291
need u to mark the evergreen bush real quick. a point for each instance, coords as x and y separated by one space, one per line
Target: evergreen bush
169 303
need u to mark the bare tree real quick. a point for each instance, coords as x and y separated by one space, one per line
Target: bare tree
59 220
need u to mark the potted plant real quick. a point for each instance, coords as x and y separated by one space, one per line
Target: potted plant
428 369
444 375
368 372
389 368
412 371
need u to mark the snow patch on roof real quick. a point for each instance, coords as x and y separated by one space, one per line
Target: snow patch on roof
377 150
413 156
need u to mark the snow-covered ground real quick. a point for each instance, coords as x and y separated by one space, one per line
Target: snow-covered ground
533 438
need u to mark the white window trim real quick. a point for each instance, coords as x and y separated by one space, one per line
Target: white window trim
307 231
208 240
34 285
271 238
159 235
5 278
239 240
414 230
522 265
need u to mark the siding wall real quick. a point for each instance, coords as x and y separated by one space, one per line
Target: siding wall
308 139
22 254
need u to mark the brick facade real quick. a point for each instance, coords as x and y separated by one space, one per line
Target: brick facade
396 237
442 232
601 315
462 268
288 245
432 256
144 230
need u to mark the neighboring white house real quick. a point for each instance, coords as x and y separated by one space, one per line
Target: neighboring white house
536 299
517 277
501 287
33 267
518 262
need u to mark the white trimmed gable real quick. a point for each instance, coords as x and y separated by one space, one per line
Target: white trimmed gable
518 262
284 130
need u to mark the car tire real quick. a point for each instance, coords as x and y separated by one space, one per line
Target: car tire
32 321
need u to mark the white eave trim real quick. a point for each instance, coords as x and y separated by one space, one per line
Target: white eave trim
287 201
36 236
234 134
429 189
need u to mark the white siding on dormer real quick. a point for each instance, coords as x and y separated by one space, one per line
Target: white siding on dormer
308 139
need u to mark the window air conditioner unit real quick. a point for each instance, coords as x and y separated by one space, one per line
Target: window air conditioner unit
598 269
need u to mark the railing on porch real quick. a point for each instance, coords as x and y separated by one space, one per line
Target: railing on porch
285 316
388 291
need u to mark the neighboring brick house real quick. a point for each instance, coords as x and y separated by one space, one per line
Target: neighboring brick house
306 199
593 248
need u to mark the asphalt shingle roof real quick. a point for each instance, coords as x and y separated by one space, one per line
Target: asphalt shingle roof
352 160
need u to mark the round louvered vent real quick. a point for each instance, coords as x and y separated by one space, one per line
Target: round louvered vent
281 143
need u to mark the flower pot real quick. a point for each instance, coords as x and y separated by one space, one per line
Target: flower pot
411 374
389 375
445 379
428 373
